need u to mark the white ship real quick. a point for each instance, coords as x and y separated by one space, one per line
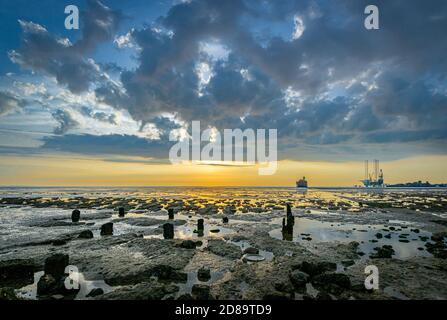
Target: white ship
302 183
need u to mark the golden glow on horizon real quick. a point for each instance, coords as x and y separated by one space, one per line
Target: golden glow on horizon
60 170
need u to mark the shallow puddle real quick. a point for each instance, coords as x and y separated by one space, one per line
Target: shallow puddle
266 255
210 231
406 242
186 288
29 292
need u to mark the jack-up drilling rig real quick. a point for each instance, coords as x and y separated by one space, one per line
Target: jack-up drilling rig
374 179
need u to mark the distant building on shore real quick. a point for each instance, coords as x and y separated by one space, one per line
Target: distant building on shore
418 184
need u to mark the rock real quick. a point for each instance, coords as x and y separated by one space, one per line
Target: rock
224 249
379 235
95 292
166 272
347 262
75 215
57 297
17 273
385 252
230 210
441 254
284 285
439 236
7 294
353 245
55 265
59 242
214 230
47 285
437 249
168 231
119 264
121 212
149 290
298 278
323 296
225 219
86 234
185 296
201 292
251 250
207 210
53 223
316 268
276 296
388 236
107 229
147 222
334 283
204 274
188 244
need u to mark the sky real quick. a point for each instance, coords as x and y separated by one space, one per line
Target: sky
96 106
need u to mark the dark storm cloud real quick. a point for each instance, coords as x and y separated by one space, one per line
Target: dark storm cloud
405 135
8 103
333 47
41 51
87 144
421 104
99 115
99 25
396 75
65 121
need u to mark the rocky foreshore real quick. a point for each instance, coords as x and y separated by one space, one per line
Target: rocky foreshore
160 248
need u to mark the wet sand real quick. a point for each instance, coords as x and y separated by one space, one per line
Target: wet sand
333 235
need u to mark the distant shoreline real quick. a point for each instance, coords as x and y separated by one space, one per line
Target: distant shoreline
228 187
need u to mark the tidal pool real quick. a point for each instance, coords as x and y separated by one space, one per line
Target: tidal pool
407 241
29 292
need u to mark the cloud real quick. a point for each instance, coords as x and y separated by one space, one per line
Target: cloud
100 24
40 51
333 49
9 103
65 120
122 145
99 115
321 79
